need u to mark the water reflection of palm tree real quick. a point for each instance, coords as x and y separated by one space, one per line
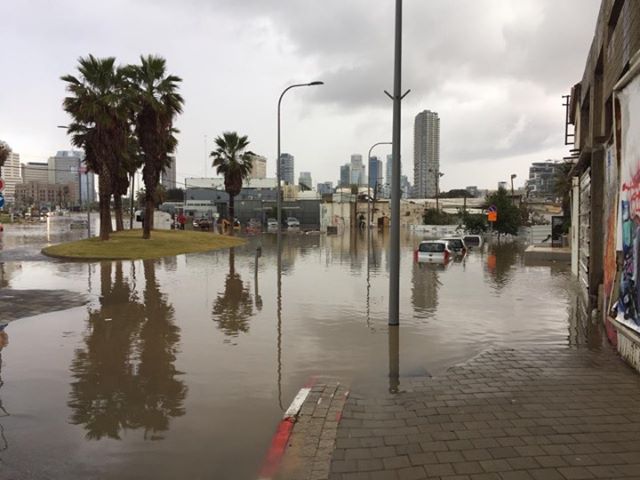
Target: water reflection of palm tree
163 394
124 377
4 279
234 307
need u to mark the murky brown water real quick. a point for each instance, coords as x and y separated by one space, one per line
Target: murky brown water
181 368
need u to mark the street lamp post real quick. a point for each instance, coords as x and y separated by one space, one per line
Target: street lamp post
439 175
278 169
396 171
369 182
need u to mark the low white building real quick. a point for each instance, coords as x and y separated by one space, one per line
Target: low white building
10 172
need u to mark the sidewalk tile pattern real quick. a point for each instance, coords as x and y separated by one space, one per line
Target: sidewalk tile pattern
543 413
312 442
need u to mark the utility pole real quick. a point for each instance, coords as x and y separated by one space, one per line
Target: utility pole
394 246
131 207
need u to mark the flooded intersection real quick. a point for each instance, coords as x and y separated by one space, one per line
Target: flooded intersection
182 367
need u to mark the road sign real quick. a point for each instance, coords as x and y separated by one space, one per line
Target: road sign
1 201
492 208
492 216
1 184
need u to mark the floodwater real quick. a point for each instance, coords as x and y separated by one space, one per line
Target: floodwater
182 367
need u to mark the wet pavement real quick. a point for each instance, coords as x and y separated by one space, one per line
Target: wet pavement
545 413
182 367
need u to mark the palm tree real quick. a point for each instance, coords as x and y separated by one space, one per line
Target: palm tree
5 150
157 104
233 163
98 103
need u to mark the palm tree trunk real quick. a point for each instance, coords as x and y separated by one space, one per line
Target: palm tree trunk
150 184
232 211
117 206
147 224
104 183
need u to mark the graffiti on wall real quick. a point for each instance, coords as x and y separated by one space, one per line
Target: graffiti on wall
629 220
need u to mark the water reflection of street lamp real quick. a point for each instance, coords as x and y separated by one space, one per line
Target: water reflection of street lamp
375 185
394 360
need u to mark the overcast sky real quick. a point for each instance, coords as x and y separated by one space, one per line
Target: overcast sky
494 70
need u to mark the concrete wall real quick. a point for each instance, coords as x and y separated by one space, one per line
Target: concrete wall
335 214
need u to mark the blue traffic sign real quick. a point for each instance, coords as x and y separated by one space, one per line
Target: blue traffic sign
1 201
492 208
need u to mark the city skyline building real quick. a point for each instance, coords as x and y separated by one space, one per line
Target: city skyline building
405 186
426 154
258 167
542 178
358 172
35 172
287 169
168 176
45 194
325 188
388 176
304 181
68 167
345 175
375 173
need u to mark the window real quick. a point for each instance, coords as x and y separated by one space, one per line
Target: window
431 247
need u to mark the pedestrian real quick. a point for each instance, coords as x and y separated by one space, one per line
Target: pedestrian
182 220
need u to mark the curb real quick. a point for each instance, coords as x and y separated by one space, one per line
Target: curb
278 446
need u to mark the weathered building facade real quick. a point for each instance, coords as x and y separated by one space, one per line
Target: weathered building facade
602 109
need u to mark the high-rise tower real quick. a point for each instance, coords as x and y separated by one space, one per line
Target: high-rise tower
286 168
426 154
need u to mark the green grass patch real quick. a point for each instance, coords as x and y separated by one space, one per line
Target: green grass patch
5 218
129 245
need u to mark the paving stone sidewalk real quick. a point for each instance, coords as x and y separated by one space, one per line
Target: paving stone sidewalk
547 413
313 439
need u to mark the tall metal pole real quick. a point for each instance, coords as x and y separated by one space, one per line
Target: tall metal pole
369 181
131 200
79 185
86 174
394 247
439 175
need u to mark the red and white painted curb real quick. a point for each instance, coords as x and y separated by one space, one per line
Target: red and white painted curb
279 441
